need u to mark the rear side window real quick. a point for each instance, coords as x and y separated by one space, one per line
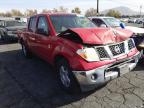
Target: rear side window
32 24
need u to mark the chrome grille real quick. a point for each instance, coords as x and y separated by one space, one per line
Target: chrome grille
113 50
131 44
117 49
102 52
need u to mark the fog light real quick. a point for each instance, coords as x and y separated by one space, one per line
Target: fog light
94 77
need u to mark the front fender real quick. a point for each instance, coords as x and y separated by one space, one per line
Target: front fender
67 53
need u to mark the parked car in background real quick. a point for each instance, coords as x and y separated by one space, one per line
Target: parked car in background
106 21
138 35
132 20
9 28
124 19
84 55
21 19
139 21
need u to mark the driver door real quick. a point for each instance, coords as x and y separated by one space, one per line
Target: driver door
43 38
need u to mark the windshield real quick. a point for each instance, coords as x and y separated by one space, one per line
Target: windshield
113 22
14 23
62 23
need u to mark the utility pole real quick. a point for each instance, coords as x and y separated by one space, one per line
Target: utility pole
97 7
140 10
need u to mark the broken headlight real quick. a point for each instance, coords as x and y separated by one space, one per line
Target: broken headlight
89 54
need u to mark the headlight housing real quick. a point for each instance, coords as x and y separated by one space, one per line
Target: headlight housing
89 54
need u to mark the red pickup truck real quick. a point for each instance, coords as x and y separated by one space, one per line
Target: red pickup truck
84 56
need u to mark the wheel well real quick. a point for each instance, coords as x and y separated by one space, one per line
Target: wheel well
59 57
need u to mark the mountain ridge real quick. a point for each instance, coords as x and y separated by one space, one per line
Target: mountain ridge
123 10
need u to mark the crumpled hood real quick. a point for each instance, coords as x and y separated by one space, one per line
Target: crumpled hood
102 35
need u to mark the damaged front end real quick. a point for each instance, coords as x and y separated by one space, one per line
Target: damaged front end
99 47
96 36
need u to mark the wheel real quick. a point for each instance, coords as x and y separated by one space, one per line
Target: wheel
25 51
66 78
1 35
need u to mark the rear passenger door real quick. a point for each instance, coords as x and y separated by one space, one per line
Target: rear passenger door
43 38
31 33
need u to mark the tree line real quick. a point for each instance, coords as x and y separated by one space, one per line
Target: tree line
30 12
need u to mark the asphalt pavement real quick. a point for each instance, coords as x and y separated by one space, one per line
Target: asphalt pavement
32 83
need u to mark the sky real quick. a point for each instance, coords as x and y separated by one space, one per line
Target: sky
22 5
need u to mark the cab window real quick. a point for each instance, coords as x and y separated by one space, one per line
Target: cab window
32 24
42 27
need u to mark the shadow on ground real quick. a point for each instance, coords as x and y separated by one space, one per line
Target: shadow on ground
38 79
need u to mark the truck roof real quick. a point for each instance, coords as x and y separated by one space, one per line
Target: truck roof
57 13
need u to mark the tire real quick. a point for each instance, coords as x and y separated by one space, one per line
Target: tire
1 35
25 51
66 78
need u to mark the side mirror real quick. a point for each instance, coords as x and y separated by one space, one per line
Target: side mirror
122 25
103 25
42 31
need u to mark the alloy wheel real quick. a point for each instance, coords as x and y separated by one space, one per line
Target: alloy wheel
64 76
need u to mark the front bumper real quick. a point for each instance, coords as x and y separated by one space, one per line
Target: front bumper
92 79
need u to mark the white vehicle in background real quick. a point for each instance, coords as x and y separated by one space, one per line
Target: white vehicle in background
140 20
17 18
113 22
124 19
21 19
132 20
116 23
